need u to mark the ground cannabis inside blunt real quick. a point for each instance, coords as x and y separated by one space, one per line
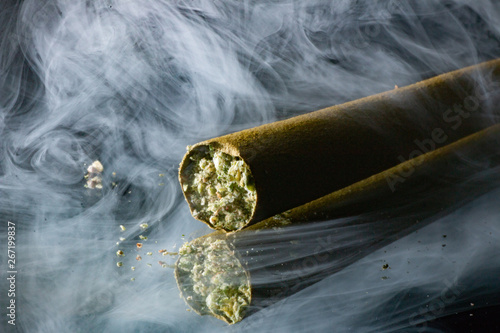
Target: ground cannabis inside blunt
213 280
220 188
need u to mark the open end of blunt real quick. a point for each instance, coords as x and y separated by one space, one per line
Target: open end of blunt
219 188
212 279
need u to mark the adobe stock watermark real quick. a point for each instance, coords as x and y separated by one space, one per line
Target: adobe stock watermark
436 307
302 271
11 273
455 117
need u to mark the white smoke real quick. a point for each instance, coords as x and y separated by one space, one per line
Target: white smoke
132 82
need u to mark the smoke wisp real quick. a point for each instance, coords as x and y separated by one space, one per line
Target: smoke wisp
132 83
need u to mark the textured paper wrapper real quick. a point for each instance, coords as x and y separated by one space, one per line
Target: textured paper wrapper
300 159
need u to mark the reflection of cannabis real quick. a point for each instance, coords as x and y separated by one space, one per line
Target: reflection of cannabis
212 279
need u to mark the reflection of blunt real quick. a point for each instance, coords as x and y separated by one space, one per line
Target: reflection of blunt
436 307
231 275
242 178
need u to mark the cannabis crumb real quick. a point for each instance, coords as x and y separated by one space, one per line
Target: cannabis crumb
93 175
